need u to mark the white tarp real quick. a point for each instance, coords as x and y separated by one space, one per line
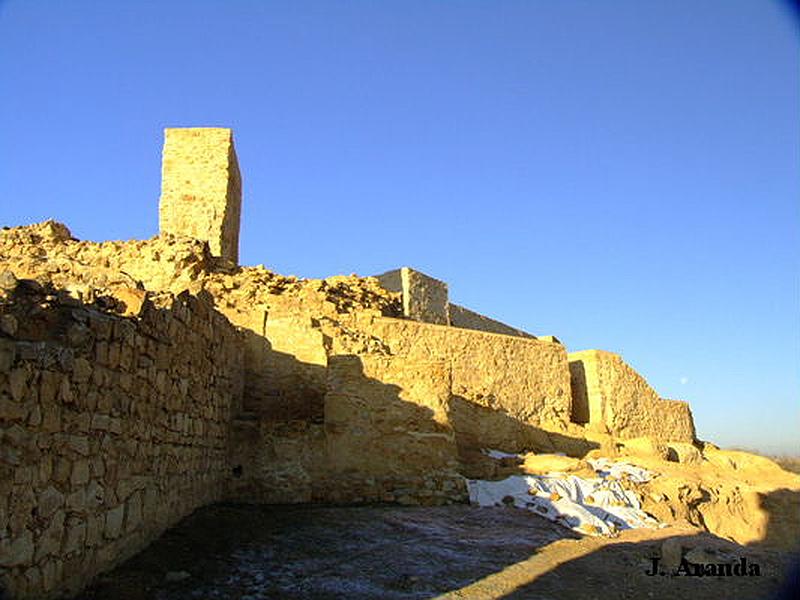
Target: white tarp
619 470
597 505
497 454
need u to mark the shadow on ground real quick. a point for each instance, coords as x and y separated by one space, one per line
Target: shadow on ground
248 552
627 570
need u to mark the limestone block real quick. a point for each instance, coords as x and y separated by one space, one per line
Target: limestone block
132 299
11 410
685 453
133 516
644 446
94 529
78 444
80 472
82 370
17 551
74 535
52 573
18 383
8 325
114 520
76 501
49 501
7 355
49 542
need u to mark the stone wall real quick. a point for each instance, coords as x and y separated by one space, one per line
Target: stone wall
388 433
611 396
500 384
425 299
201 188
112 428
278 462
386 438
468 319
674 421
285 360
397 411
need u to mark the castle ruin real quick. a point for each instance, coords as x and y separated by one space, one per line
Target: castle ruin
141 380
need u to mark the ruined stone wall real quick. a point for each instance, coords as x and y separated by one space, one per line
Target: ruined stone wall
201 188
278 462
285 360
425 299
611 396
388 432
468 319
390 414
290 324
386 437
401 400
585 386
501 385
112 428
674 421
123 408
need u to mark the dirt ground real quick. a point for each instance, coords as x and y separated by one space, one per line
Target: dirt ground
291 552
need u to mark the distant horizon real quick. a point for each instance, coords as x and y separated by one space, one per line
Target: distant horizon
623 176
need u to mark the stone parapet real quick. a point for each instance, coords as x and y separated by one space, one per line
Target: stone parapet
469 319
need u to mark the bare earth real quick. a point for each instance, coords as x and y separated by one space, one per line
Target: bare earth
252 552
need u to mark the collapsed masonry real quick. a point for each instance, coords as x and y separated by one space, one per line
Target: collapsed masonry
140 380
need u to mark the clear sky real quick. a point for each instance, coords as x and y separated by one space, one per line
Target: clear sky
622 174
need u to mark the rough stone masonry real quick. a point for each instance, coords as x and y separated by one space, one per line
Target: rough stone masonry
201 188
140 380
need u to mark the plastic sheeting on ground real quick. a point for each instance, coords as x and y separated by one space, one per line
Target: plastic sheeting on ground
500 454
596 506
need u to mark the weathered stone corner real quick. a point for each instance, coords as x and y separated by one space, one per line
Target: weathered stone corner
201 188
425 299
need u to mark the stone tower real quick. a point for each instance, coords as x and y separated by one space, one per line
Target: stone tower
201 188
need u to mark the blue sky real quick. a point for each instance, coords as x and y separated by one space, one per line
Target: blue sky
622 174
